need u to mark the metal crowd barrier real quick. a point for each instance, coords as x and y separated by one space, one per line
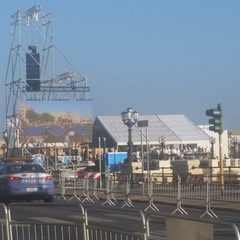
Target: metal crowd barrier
183 228
125 186
97 232
168 227
12 229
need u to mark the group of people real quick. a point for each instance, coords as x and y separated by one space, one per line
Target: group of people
172 153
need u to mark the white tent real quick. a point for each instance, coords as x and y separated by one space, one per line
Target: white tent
176 129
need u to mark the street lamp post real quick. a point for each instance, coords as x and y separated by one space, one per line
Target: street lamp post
235 142
212 140
130 118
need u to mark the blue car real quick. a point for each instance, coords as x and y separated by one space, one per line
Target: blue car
23 179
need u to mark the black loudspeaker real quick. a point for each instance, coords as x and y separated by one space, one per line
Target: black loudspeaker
33 70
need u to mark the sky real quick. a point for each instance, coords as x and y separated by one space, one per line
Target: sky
157 56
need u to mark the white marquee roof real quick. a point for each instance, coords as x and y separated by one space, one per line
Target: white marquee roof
177 129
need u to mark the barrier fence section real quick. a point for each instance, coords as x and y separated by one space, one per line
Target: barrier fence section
165 226
179 188
199 187
138 231
12 229
35 230
4 224
182 228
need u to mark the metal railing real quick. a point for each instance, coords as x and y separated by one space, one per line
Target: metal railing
169 226
12 229
173 227
126 187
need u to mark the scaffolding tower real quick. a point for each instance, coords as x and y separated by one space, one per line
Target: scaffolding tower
37 70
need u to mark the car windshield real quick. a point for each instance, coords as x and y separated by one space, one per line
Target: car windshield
32 168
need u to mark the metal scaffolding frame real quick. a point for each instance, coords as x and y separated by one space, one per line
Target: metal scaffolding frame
59 80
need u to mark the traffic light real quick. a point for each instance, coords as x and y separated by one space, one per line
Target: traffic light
217 119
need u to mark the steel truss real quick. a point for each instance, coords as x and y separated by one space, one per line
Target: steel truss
59 80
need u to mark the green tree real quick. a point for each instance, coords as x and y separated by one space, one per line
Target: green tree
32 116
46 117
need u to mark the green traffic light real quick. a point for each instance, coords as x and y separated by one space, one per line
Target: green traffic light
217 119
213 112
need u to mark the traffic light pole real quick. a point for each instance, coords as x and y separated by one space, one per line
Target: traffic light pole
221 163
216 125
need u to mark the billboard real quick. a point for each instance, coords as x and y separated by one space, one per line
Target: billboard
55 122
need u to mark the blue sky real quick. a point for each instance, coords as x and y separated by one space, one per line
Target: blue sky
157 56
